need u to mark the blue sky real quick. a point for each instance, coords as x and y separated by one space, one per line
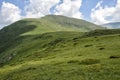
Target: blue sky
82 9
19 3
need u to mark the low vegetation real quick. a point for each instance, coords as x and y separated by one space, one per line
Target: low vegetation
39 54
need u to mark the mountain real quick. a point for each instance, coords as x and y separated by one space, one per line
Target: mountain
50 48
113 25
52 23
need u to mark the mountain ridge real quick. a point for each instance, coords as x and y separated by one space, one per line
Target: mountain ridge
61 22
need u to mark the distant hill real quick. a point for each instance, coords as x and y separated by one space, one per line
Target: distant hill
113 25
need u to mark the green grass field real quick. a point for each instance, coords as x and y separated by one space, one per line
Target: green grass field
37 54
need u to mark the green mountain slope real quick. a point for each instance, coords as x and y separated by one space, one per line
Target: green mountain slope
36 54
52 23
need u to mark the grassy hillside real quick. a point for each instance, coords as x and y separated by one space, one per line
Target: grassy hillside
59 55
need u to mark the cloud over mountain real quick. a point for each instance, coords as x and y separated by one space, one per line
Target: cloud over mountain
70 8
37 8
101 15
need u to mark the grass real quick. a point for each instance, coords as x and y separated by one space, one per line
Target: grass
60 55
56 57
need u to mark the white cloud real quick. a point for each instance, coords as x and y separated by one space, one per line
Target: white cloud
101 15
70 8
39 8
9 13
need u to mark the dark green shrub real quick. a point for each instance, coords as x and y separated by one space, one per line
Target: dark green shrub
1 64
101 48
89 61
95 37
75 44
88 45
79 55
31 68
114 56
73 61
75 39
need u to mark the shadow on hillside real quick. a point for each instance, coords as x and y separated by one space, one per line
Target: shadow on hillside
8 34
15 30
